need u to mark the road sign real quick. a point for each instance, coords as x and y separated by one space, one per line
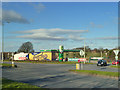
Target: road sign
116 57
82 52
116 52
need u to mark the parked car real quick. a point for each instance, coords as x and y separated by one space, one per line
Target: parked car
116 62
102 63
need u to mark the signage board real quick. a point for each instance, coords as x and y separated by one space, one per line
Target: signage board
20 56
82 52
116 57
97 58
61 48
77 59
116 52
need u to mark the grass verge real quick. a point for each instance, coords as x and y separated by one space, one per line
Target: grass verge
115 66
94 72
49 62
6 83
5 65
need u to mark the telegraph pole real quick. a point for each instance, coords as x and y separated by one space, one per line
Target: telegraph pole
2 42
84 50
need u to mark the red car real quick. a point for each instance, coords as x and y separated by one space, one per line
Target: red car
116 62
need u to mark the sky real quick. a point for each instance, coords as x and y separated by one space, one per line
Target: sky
50 24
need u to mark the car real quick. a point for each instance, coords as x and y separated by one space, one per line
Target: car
116 62
102 63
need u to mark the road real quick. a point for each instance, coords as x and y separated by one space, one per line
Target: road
58 76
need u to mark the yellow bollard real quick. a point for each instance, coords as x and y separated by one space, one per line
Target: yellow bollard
77 66
13 65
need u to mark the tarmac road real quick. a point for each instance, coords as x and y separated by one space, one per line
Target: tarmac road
58 76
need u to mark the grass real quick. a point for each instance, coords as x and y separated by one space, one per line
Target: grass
49 62
5 65
115 66
6 83
94 72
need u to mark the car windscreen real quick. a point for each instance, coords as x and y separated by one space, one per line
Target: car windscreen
99 61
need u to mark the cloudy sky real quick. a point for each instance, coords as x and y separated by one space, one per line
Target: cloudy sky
48 25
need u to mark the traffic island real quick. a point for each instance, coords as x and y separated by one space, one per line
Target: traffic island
9 84
5 65
104 74
114 66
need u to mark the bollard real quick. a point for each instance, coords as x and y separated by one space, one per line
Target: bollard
81 66
77 66
13 64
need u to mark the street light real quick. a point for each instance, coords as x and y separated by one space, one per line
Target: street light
3 40
84 48
84 51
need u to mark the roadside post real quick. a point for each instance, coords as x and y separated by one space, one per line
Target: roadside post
81 66
8 56
77 66
12 60
116 54
82 53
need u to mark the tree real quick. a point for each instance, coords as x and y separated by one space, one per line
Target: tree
26 47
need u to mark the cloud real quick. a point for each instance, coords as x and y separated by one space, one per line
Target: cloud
76 38
12 16
38 7
53 30
52 34
41 37
108 38
93 25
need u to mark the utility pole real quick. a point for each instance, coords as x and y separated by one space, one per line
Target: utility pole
2 42
84 50
3 39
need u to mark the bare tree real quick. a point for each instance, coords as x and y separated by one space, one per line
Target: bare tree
26 47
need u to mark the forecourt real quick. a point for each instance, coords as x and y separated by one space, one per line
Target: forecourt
58 76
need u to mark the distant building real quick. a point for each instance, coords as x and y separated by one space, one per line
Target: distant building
50 55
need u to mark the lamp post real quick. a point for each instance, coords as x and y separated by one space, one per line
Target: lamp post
84 51
84 48
3 39
2 42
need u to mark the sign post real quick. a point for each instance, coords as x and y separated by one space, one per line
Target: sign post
116 54
82 53
8 55
12 60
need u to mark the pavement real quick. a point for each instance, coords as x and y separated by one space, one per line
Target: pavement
58 76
